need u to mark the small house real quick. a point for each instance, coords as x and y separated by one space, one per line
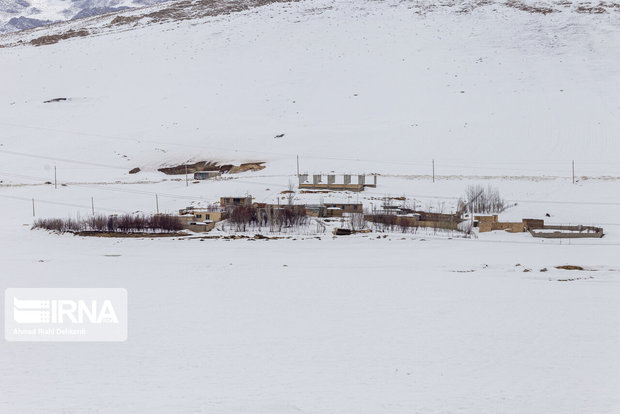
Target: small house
333 212
205 175
205 215
347 207
316 210
228 202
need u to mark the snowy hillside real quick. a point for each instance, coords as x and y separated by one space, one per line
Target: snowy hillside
494 90
16 15
431 96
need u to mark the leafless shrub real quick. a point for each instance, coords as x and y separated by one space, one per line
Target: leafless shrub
290 196
125 223
383 222
357 221
481 200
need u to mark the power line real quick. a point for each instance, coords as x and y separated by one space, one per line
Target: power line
132 191
61 203
448 162
45 157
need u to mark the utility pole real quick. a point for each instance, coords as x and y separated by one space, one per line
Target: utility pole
157 203
298 167
33 208
186 182
92 205
55 182
573 171
433 170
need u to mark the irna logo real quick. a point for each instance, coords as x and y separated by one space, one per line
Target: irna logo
63 311
70 314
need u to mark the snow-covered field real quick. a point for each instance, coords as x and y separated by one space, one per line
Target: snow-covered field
406 323
345 325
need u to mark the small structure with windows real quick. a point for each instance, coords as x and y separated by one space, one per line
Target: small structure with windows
205 175
345 182
231 202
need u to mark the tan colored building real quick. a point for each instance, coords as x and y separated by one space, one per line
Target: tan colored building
205 175
335 183
333 212
347 207
488 223
227 202
316 210
202 215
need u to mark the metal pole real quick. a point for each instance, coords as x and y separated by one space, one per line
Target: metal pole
298 167
573 171
433 170
157 203
33 208
55 182
92 205
186 182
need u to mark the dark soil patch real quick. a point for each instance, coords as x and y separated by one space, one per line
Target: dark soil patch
51 39
591 9
118 20
569 267
575 278
55 100
211 166
516 4
190 168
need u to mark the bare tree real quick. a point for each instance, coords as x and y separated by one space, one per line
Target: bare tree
357 221
479 199
290 195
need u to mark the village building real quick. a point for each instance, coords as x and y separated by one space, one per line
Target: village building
486 223
345 182
229 202
205 175
333 212
316 210
347 207
201 215
333 209
537 228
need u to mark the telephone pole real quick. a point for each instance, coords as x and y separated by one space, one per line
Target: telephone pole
92 205
55 182
157 203
433 170
573 171
33 215
186 182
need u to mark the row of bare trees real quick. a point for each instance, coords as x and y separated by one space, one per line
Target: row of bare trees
125 223
244 218
391 222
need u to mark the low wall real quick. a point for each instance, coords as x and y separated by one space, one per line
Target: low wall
490 223
199 228
333 187
569 232
404 221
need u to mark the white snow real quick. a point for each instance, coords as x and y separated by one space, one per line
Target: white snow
406 323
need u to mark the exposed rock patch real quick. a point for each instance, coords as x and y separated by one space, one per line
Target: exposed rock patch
212 166
51 39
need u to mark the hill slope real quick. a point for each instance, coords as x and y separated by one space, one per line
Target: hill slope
488 88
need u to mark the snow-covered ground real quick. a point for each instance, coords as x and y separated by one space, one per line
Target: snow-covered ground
345 325
406 323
